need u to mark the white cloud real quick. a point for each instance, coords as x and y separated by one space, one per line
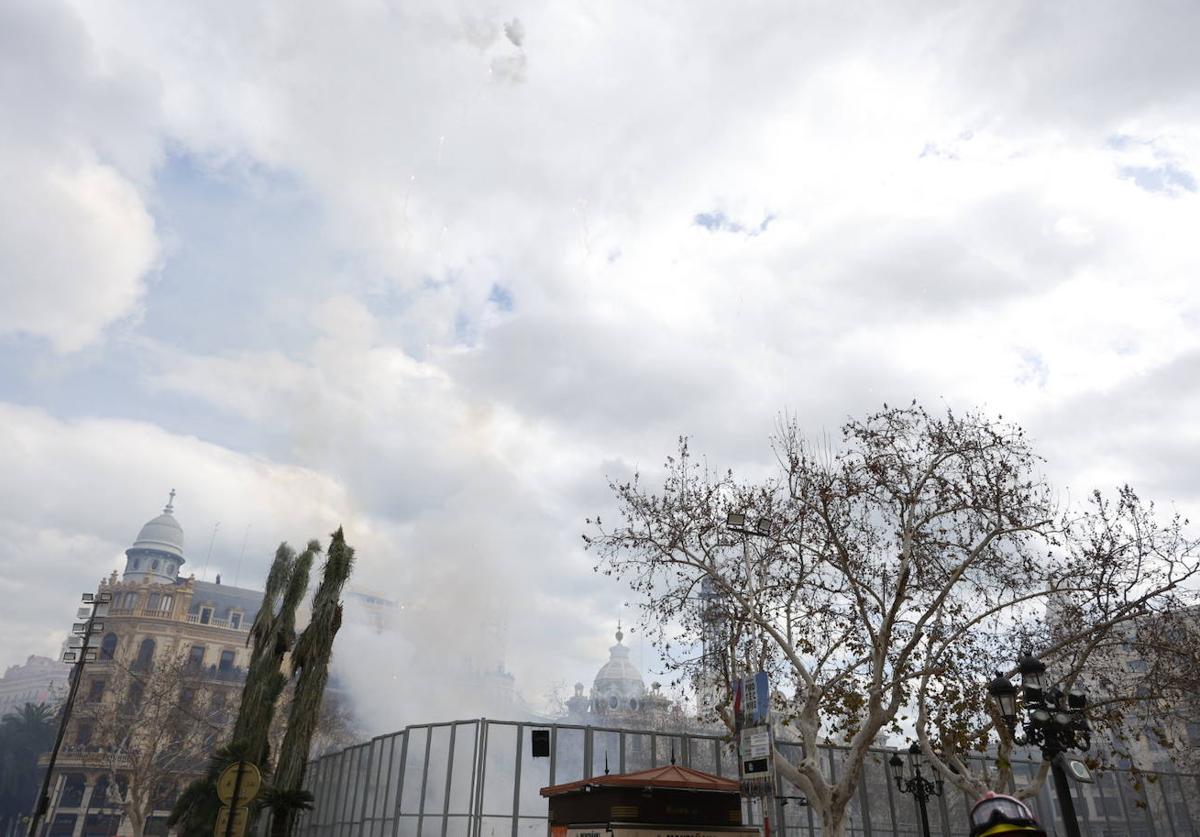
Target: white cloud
75 247
962 206
77 240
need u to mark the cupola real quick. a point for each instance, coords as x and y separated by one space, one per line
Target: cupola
157 553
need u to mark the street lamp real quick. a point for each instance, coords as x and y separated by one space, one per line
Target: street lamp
916 784
79 653
1054 722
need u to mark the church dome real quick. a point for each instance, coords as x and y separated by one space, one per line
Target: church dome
157 553
163 533
618 680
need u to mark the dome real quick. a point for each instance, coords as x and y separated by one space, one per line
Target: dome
619 677
163 533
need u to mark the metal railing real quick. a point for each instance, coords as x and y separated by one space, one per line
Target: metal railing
194 619
477 778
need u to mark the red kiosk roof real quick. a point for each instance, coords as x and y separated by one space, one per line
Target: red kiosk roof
670 776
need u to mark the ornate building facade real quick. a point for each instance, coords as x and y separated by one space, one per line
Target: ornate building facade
163 633
619 697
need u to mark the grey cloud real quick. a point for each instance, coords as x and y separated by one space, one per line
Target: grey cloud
514 30
1076 65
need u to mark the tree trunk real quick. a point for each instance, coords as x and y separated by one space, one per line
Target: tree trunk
137 824
833 823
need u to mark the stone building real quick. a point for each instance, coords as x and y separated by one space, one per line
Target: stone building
37 680
157 619
619 698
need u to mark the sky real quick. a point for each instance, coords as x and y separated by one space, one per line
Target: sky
437 271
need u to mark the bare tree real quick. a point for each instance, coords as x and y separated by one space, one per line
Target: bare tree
887 574
1113 623
153 733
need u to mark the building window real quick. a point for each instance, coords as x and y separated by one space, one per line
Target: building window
153 602
145 656
226 663
633 704
136 690
63 825
166 793
99 794
205 615
83 736
165 605
187 697
154 565
196 657
95 691
613 702
156 827
108 646
235 620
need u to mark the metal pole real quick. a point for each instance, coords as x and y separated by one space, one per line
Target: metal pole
920 794
237 790
1063 790
43 799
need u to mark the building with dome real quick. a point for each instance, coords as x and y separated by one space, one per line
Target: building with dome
619 696
156 617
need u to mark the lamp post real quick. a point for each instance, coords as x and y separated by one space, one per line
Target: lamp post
79 653
763 527
916 785
1054 721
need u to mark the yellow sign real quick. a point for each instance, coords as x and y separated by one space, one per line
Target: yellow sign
241 818
246 789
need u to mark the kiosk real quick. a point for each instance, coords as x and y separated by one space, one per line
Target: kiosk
669 801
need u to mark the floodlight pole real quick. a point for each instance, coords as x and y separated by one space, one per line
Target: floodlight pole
43 799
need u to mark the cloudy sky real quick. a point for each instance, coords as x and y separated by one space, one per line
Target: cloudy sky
434 270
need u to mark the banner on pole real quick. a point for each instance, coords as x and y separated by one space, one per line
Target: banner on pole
756 699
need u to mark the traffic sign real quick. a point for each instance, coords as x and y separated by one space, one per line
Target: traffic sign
754 759
237 828
244 786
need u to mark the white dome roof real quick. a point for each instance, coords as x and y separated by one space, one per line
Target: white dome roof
619 676
163 533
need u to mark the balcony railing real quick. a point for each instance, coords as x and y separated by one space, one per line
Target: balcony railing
194 619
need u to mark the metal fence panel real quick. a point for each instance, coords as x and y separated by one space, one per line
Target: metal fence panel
478 778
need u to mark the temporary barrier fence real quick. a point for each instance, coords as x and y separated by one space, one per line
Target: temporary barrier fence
477 778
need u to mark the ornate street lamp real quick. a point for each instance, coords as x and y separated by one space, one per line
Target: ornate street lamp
917 785
1054 722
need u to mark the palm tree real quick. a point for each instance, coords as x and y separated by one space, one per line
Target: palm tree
273 633
24 736
310 659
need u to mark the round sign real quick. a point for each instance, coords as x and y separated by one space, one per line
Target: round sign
227 783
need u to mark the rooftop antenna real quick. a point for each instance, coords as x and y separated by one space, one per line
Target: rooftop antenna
204 571
605 761
672 751
241 555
